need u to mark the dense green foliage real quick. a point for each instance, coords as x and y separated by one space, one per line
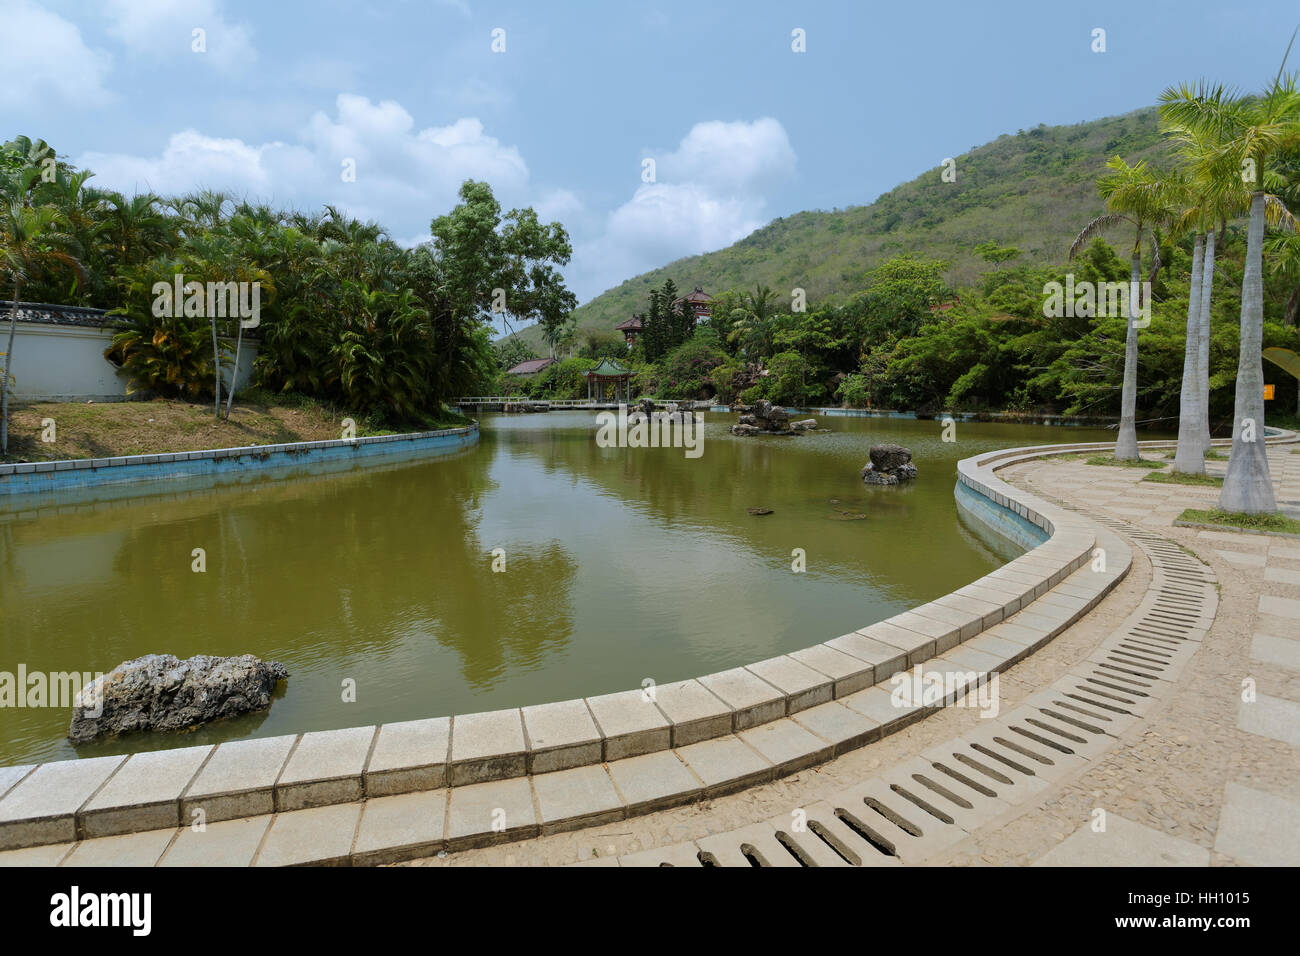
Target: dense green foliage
347 315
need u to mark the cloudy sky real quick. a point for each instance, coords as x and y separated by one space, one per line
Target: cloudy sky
741 128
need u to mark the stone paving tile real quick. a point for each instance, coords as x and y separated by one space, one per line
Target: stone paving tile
752 700
238 780
401 827
694 712
9 776
561 735
681 854
1271 717
655 780
849 673
878 704
1278 651
787 745
969 625
945 635
227 843
1282 576
1257 828
325 768
583 796
51 854
487 746
1245 559
843 727
40 809
725 765
494 812
144 794
321 836
631 723
130 849
409 755
802 686
918 647
1124 843
886 659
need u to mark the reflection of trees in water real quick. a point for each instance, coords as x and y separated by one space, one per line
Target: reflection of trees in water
333 566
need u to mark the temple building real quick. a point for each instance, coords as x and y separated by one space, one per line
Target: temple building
701 304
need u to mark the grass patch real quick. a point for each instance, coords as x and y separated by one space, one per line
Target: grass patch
1178 478
1213 455
1230 519
1116 463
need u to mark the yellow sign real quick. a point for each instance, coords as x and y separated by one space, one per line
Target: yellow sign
1268 393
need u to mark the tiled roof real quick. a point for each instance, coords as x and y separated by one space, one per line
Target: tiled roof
531 366
58 314
608 368
629 325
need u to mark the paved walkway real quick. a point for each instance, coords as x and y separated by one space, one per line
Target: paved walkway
1206 777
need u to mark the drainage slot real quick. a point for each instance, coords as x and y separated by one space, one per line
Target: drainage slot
793 849
973 784
1074 721
1043 740
928 808
1055 730
892 817
943 791
864 831
835 843
752 855
1010 745
1124 690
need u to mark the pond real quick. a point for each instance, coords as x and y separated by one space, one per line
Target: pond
619 565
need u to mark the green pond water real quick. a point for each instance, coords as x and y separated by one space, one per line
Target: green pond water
620 565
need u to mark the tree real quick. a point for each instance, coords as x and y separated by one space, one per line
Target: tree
1251 131
994 254
32 240
1135 195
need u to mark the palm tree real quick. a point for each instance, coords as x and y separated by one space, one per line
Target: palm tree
1136 195
1251 132
31 240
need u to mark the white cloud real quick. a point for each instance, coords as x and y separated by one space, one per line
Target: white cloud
164 29
46 63
404 175
709 192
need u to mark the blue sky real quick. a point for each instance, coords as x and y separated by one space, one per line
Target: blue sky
741 128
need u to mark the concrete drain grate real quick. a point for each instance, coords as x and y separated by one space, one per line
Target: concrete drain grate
926 805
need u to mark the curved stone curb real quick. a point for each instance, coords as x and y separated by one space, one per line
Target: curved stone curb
731 729
50 477
921 809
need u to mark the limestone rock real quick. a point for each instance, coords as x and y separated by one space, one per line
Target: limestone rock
162 692
889 465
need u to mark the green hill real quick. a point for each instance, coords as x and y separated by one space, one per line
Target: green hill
1034 190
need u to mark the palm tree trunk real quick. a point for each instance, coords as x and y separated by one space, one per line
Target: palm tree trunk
1126 447
4 378
234 376
1190 458
1203 365
216 360
1248 487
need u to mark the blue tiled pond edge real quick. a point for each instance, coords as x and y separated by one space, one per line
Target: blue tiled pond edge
47 477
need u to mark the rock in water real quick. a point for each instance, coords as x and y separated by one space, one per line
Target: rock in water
807 425
759 511
162 692
889 465
889 457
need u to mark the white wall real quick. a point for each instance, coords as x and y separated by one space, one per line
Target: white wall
65 363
